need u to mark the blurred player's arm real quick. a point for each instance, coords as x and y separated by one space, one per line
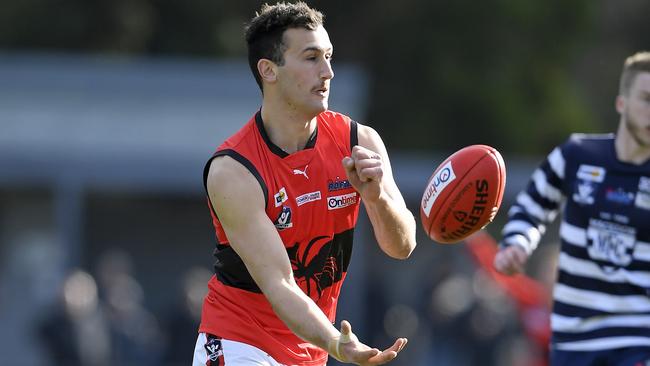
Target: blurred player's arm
535 207
369 171
238 199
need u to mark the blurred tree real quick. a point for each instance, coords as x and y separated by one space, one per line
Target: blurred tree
463 72
443 74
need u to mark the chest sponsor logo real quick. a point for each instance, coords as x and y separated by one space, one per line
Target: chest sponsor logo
644 184
619 196
301 172
610 244
337 184
345 200
591 173
307 197
642 200
280 197
584 193
284 219
437 184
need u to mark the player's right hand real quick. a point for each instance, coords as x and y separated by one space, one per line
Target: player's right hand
348 349
510 260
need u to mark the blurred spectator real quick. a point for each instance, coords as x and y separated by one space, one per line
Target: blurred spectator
182 323
77 331
135 333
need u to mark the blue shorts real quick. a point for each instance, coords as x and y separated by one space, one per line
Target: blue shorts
632 356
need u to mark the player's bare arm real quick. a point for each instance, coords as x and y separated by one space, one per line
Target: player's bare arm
370 173
239 202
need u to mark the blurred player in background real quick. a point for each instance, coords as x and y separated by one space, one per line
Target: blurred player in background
601 309
284 194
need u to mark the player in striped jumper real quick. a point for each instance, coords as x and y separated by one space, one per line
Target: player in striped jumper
601 184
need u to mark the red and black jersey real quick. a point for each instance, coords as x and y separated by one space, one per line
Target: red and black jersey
314 209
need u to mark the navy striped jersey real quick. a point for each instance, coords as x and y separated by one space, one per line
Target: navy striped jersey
602 294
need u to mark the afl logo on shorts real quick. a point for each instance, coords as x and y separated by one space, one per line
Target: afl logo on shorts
345 200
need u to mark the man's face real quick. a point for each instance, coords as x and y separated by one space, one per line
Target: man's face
304 79
635 111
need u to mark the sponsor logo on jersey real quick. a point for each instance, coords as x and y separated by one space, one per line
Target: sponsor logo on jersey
345 200
438 182
280 197
643 195
214 349
644 184
337 184
619 196
584 193
591 173
642 200
307 197
301 172
284 219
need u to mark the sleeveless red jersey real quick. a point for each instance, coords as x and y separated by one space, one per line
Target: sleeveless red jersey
314 209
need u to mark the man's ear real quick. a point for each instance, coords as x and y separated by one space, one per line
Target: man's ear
620 104
268 70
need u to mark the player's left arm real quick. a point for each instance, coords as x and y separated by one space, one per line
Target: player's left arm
369 171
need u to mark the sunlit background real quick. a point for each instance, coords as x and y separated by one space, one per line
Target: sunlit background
109 110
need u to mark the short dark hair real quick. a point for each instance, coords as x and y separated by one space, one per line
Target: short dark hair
264 33
635 64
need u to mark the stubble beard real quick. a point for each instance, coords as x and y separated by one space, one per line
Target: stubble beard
634 130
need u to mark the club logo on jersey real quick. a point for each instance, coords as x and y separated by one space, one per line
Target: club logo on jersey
301 172
321 262
591 173
584 193
643 195
437 184
337 184
214 349
345 200
308 197
619 196
280 197
284 219
610 244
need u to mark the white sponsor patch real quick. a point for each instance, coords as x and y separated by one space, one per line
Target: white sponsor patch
642 200
307 197
591 173
280 197
437 184
644 184
345 200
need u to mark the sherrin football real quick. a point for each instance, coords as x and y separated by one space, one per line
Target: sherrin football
464 194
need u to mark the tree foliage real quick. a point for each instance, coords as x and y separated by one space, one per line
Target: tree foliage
443 74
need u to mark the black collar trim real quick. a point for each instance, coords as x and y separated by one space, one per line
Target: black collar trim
275 148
